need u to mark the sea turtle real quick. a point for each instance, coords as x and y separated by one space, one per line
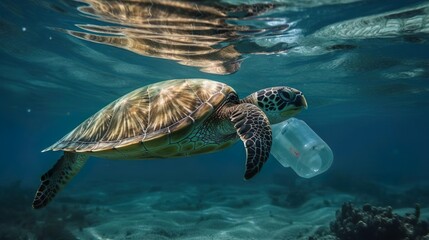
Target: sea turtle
173 118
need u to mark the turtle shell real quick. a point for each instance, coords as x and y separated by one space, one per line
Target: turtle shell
146 114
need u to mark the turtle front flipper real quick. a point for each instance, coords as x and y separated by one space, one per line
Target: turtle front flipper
254 130
57 177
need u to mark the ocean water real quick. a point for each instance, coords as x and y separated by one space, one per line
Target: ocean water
362 65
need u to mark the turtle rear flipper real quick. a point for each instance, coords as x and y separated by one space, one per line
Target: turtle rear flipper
57 177
254 130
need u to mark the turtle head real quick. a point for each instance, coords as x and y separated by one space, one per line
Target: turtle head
278 103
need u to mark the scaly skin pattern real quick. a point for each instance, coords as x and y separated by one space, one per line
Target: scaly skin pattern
57 177
254 130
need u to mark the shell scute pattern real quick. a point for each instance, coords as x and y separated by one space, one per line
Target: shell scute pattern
163 112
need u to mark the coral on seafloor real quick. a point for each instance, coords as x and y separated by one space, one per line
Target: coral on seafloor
374 223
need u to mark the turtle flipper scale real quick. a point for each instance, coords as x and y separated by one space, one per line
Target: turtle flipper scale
57 177
254 130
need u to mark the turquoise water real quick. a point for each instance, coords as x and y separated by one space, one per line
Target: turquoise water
362 65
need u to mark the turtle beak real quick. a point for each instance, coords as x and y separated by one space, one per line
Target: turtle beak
298 104
301 102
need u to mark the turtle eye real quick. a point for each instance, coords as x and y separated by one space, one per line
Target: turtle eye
285 95
233 97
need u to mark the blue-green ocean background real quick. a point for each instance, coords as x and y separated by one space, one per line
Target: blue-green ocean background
369 102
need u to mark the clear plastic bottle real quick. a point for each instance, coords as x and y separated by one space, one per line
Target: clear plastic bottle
297 146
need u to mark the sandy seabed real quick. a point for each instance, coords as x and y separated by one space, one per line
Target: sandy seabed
208 212
132 210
